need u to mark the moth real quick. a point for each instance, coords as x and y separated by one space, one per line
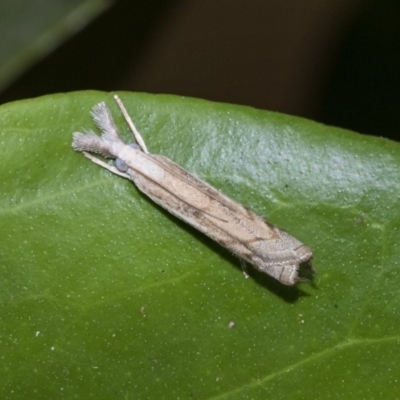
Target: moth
249 236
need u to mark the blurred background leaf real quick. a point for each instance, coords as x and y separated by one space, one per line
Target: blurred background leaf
29 30
105 295
335 61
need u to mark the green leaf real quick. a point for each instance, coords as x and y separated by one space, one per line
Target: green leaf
105 295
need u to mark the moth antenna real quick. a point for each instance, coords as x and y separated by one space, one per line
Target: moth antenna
136 134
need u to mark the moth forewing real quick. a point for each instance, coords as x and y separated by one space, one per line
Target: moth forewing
268 248
249 236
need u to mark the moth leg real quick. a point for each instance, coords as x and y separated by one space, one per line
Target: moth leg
111 168
136 134
244 268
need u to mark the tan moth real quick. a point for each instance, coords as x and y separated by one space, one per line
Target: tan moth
249 236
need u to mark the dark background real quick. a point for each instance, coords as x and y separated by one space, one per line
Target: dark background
335 61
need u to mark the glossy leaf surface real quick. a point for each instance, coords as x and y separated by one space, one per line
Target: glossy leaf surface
104 295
